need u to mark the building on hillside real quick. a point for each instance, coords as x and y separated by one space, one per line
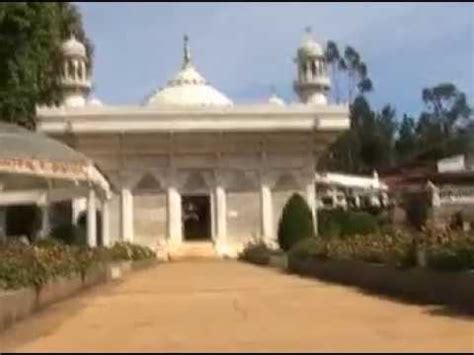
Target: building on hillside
336 190
446 186
191 165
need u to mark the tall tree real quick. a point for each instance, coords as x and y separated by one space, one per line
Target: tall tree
333 58
446 110
31 34
406 142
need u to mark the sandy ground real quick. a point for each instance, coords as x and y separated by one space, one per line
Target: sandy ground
230 306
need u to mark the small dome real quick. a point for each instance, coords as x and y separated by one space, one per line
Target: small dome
72 47
309 47
94 102
275 100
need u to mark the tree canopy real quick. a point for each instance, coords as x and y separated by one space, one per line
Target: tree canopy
378 139
31 34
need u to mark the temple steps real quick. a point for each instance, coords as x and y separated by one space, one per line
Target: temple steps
192 250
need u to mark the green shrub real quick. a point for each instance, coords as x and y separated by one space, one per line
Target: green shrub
341 223
256 253
70 234
394 250
296 222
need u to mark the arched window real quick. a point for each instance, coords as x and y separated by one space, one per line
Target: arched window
71 69
79 72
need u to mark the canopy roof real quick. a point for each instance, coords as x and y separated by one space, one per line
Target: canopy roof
33 157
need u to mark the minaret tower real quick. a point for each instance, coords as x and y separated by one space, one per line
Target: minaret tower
75 78
312 84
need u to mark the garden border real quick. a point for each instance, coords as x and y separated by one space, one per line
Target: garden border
19 304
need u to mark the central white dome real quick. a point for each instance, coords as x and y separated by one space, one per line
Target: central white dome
189 88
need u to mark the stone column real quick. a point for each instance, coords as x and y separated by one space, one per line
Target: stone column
91 219
334 197
357 200
311 200
45 222
3 223
76 210
105 224
126 217
174 220
221 214
266 212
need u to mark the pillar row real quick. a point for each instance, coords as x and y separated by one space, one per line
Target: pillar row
127 215
91 219
174 220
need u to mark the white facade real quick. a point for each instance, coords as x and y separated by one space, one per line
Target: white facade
191 146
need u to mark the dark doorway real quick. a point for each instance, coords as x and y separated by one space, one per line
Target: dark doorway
23 220
196 217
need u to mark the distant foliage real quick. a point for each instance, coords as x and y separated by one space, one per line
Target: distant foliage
296 222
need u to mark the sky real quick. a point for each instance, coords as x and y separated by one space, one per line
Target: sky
244 49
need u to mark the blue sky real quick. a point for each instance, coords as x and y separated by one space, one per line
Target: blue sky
245 48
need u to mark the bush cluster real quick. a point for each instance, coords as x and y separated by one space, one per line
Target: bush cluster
34 265
447 250
256 253
130 251
342 223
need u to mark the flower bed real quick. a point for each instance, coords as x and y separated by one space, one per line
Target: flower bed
441 250
34 266
33 277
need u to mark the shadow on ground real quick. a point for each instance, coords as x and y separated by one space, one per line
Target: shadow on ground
433 308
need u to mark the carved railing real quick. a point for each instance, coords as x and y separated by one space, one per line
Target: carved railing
449 195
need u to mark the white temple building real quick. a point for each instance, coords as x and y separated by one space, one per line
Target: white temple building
190 165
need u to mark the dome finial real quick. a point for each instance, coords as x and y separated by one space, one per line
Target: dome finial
307 29
187 52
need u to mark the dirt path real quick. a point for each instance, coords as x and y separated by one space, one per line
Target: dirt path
229 306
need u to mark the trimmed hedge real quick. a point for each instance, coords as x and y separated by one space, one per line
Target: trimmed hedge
296 222
342 223
34 265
